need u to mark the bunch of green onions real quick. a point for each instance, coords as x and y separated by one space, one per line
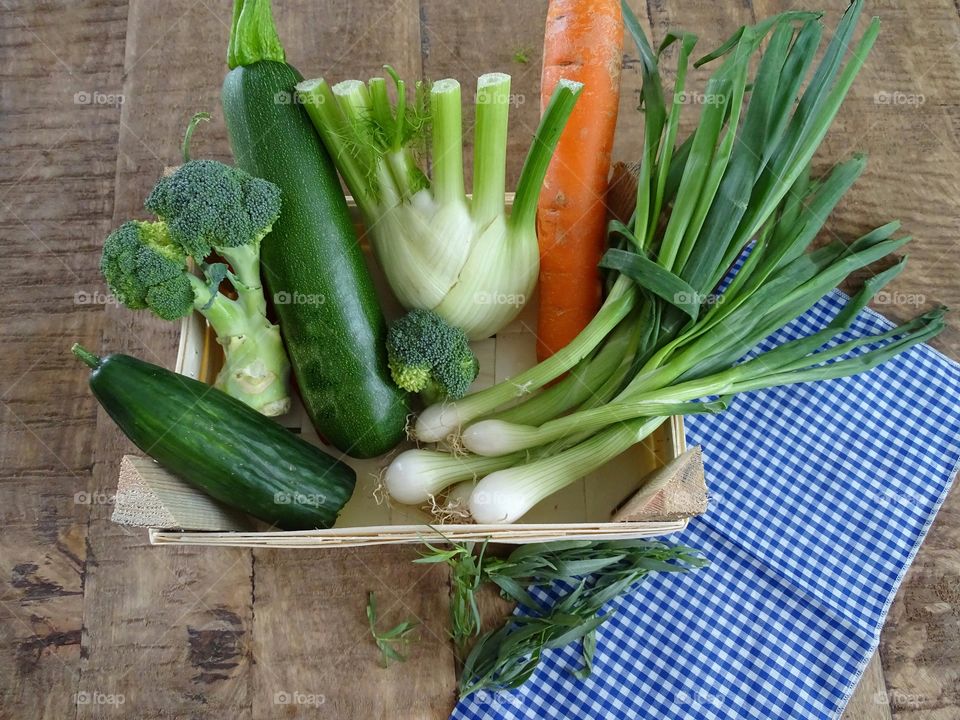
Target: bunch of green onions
662 342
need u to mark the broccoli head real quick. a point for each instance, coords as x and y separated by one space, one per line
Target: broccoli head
144 268
208 205
427 355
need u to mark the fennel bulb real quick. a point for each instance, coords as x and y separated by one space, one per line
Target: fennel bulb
465 258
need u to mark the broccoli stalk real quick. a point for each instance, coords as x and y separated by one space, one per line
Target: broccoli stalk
206 208
429 356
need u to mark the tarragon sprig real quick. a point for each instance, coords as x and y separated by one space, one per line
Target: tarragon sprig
598 572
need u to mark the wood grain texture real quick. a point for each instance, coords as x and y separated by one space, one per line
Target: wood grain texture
88 611
870 701
148 496
56 190
181 619
205 649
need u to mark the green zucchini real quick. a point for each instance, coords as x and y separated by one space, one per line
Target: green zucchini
313 265
220 445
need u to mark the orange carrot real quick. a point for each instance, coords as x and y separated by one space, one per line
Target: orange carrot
583 42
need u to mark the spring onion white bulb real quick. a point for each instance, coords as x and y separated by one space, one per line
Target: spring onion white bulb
497 437
507 495
438 421
415 476
504 497
466 259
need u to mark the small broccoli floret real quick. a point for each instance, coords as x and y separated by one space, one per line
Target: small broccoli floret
206 207
429 356
144 268
211 206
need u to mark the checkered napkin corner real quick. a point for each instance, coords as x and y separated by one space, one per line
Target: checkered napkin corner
821 496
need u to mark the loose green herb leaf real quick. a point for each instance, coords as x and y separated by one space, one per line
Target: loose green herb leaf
589 650
600 571
522 55
388 642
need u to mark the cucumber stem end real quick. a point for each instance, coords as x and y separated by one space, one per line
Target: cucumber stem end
89 359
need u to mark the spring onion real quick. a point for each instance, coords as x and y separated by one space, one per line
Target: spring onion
465 258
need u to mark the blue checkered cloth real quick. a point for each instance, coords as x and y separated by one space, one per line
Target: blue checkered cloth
820 497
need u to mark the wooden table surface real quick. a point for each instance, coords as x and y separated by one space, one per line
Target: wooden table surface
94 98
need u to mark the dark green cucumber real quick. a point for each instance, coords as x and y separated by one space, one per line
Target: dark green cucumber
220 445
313 265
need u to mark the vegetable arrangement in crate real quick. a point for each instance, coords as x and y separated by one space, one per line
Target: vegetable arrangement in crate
644 316
648 311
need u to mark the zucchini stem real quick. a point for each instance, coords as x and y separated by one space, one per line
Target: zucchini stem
253 35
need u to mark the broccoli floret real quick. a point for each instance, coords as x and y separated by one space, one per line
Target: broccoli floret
207 207
211 206
144 268
429 356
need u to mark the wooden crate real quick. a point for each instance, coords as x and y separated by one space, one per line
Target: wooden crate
582 510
